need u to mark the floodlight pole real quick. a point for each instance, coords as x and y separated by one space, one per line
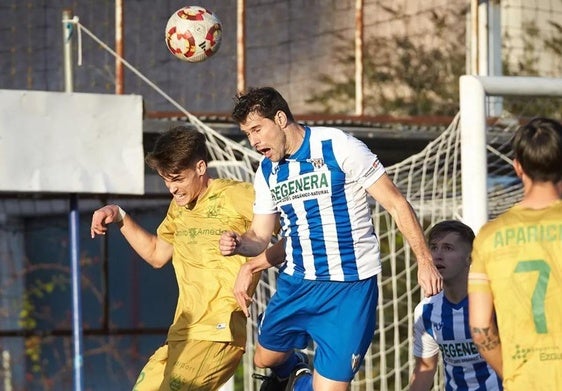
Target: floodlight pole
73 218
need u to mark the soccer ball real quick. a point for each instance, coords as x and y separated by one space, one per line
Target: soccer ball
193 33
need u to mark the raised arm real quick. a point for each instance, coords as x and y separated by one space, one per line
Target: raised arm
152 249
391 199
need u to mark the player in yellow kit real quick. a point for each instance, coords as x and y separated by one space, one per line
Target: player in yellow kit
206 340
515 281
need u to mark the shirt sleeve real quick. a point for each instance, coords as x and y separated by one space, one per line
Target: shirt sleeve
424 344
263 203
360 163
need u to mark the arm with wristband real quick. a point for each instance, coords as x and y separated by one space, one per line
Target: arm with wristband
150 247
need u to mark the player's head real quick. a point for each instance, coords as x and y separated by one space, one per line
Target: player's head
176 150
537 148
180 158
450 243
265 118
264 101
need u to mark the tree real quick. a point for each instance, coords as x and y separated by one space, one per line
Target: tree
404 75
535 44
418 75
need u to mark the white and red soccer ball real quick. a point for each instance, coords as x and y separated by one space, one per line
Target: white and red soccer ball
193 33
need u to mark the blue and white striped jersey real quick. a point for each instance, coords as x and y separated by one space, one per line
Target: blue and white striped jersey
320 194
442 326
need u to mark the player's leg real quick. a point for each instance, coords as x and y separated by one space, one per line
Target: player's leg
279 334
265 358
282 365
199 365
343 331
322 383
152 374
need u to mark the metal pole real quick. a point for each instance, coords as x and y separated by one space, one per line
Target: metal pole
67 32
483 25
73 219
494 39
359 57
119 79
74 222
241 45
474 44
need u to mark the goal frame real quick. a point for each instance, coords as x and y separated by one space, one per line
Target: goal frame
474 91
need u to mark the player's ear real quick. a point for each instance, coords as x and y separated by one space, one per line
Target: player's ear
468 259
201 167
518 169
280 118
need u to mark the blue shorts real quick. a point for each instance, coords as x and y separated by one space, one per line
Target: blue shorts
340 317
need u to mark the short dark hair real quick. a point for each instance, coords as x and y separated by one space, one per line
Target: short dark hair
176 150
537 146
265 101
464 231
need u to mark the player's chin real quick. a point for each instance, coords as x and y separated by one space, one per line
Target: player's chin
181 201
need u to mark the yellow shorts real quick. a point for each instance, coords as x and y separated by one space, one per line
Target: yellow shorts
189 365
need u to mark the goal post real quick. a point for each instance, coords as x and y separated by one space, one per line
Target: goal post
473 122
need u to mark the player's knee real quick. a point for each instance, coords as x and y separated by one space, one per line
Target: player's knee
267 359
258 362
258 358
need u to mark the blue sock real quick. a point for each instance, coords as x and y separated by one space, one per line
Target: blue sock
284 370
303 383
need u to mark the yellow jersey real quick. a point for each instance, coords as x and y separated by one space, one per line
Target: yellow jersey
206 309
520 254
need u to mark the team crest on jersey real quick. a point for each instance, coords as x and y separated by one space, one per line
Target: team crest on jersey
438 326
521 353
355 361
316 162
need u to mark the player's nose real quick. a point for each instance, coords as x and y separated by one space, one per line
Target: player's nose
254 141
171 187
436 253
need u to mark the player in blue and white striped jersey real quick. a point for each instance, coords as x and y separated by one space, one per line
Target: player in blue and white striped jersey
441 321
316 180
